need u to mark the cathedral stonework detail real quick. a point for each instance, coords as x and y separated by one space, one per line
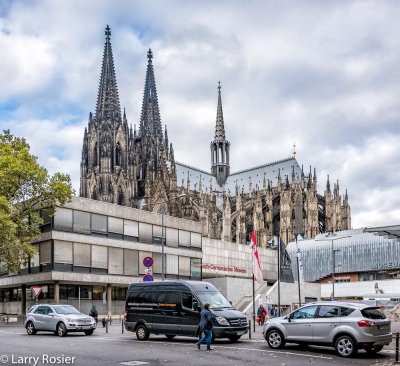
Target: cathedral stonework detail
138 169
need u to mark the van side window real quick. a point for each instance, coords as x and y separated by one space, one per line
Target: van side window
187 300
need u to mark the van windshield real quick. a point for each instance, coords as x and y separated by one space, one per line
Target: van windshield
215 299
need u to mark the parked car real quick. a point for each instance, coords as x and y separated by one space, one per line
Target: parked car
173 308
60 319
345 326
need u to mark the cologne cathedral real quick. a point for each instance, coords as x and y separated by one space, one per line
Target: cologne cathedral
138 169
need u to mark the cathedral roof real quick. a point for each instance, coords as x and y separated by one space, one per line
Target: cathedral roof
219 125
108 106
256 174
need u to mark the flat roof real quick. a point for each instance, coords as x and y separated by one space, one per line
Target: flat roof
391 231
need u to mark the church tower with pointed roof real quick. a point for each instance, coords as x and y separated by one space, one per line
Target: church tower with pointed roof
220 146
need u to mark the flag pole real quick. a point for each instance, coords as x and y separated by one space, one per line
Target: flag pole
254 308
298 271
279 275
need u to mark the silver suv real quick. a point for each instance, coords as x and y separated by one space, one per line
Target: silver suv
59 319
344 326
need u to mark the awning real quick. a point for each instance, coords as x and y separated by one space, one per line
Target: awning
392 232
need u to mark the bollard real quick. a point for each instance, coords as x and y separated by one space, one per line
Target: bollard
397 348
249 329
106 327
7 320
122 326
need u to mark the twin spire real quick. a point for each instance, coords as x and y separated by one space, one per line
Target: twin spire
108 107
219 126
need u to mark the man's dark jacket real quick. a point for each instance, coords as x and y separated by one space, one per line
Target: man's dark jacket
206 320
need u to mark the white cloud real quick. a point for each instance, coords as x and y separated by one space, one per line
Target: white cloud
322 74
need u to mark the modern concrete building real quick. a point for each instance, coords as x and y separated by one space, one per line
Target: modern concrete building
90 251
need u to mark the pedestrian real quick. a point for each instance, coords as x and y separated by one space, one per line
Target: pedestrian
206 326
273 311
265 315
260 315
94 313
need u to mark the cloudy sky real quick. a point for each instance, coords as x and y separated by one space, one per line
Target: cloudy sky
324 74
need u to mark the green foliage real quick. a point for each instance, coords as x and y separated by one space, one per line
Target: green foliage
25 189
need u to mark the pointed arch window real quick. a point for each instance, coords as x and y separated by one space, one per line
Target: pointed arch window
118 155
95 163
120 196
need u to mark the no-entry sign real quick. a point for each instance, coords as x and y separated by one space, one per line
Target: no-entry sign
37 290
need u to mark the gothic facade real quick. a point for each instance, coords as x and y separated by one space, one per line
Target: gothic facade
138 169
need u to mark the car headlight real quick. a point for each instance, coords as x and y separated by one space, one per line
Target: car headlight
69 320
221 320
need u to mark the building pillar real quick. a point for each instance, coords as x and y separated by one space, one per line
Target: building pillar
109 303
57 292
23 300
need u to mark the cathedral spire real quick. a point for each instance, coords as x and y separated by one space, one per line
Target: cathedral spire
108 106
150 121
219 126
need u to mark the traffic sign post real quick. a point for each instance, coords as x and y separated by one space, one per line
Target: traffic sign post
148 278
148 271
36 290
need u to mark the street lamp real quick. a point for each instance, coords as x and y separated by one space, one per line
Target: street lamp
332 236
162 231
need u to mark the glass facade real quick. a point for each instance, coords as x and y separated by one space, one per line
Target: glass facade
352 251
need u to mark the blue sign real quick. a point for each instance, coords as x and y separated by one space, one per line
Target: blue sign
148 262
148 278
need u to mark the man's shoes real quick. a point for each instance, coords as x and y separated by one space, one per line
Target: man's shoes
198 345
210 349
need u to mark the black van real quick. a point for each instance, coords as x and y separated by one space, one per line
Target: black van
173 308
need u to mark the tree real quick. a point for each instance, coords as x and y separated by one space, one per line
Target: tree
26 190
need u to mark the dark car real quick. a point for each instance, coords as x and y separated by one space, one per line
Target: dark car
173 308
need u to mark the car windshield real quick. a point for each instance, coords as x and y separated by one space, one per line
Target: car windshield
67 309
215 299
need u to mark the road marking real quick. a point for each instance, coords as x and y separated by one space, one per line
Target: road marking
134 363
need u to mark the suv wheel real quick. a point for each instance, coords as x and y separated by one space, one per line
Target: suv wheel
275 339
30 328
234 338
142 333
373 349
345 346
89 332
61 330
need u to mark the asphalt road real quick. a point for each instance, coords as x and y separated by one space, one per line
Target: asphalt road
114 348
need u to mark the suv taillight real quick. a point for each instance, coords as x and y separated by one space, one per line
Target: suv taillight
365 323
125 316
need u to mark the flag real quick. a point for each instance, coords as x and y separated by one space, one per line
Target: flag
285 270
256 261
300 263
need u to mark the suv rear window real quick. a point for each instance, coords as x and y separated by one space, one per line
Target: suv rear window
373 313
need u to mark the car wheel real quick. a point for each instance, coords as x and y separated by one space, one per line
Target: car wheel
275 339
234 338
142 333
345 346
89 332
30 328
61 330
373 349
170 336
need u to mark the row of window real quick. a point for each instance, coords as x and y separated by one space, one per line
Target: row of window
67 292
100 225
324 311
87 258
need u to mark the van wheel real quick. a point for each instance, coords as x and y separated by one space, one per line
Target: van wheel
142 333
345 346
234 338
275 339
61 330
170 336
373 349
30 328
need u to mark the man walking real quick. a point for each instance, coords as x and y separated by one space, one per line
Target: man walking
206 326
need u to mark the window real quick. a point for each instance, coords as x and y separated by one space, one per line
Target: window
98 292
171 237
62 252
45 252
184 266
118 293
145 233
373 313
328 312
195 239
116 260
82 255
304 313
187 300
184 238
99 223
82 222
99 257
115 225
345 311
131 228
43 310
195 269
172 264
131 262
63 219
